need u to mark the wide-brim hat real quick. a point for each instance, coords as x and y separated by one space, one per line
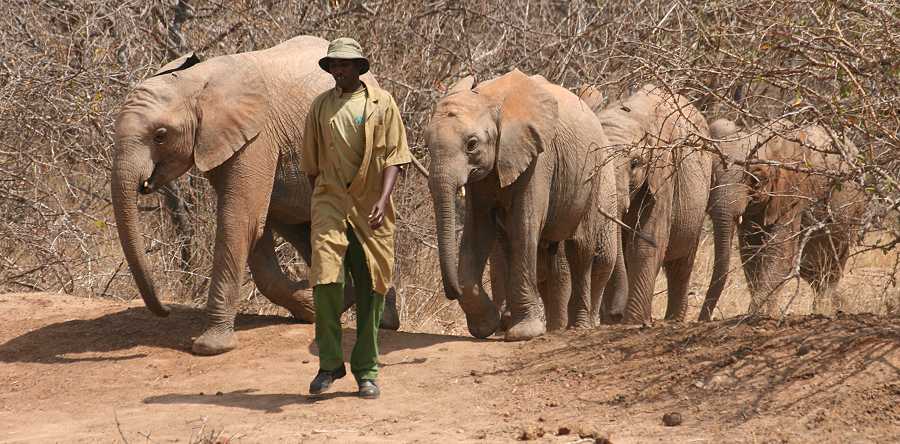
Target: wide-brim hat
347 49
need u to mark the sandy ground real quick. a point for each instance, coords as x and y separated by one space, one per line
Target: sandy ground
86 370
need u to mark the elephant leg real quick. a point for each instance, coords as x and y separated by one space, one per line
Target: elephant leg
614 297
825 299
642 259
643 262
477 244
243 186
822 267
499 271
768 258
678 278
275 285
523 300
555 288
590 275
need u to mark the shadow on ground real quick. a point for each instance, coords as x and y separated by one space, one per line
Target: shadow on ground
741 369
121 330
245 399
137 326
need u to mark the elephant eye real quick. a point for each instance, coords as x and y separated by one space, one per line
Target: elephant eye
159 136
471 145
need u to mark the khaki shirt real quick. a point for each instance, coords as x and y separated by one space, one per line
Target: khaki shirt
335 203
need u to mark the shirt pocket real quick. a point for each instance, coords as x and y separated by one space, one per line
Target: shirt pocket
379 135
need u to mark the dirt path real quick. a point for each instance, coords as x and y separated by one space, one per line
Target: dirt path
81 370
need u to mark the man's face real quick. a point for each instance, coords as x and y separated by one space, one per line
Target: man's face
345 72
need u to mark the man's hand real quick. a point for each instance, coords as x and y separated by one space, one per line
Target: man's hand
376 216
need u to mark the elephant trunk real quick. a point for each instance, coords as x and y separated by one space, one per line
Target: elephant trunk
443 189
723 232
127 177
482 317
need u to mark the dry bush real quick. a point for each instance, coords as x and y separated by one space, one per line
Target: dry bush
67 64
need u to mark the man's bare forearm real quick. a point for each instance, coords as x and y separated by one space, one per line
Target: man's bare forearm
389 178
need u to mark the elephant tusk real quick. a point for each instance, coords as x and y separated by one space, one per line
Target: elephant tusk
419 166
643 236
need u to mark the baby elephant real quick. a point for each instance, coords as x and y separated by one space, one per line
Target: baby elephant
783 187
533 163
664 179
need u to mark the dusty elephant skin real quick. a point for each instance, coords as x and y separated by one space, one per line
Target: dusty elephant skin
666 174
239 120
774 209
529 156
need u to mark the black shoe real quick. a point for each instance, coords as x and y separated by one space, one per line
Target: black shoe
324 379
368 389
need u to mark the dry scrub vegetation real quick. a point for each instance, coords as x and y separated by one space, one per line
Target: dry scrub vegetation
67 64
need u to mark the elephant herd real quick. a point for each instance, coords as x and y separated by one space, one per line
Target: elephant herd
576 207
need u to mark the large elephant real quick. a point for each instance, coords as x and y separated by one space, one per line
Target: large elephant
766 185
666 175
239 120
530 157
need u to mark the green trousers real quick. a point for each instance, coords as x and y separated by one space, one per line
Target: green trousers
329 301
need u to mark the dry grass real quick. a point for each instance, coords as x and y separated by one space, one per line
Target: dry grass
67 64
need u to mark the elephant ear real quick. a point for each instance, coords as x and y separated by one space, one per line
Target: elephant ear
184 62
464 84
658 168
527 121
592 96
777 188
233 108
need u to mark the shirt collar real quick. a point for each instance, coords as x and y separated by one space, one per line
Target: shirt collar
339 92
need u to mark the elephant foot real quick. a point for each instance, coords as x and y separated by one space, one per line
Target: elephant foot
525 329
634 319
390 318
552 325
485 325
505 322
215 341
581 325
611 318
482 316
300 306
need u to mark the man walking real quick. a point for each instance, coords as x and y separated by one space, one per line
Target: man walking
354 145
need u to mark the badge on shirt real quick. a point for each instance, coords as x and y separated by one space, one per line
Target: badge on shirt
358 120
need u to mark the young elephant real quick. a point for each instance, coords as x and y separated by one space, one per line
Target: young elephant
779 209
239 120
530 156
666 175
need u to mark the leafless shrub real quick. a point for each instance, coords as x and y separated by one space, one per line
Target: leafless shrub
67 64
